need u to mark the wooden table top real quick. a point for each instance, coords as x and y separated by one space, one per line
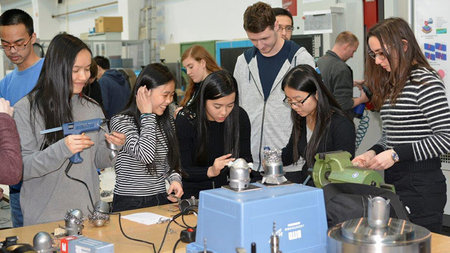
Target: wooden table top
111 232
153 233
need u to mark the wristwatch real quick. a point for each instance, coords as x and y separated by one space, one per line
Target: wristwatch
395 156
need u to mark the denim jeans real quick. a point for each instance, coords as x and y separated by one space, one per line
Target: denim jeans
123 203
16 212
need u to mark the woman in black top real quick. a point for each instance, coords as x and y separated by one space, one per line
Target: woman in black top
319 123
217 132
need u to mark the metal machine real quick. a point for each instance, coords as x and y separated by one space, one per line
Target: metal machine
228 220
336 167
273 167
378 233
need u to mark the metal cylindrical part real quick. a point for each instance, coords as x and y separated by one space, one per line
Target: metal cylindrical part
74 222
274 244
421 243
114 149
101 206
273 168
239 174
378 212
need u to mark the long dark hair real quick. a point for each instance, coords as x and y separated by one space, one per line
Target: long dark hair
152 76
391 32
217 85
305 78
52 94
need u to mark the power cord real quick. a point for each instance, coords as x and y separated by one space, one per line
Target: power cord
80 181
362 128
175 245
184 212
130 238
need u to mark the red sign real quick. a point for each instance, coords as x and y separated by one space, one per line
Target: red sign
291 6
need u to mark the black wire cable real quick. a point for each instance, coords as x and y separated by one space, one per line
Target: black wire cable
191 209
165 234
186 211
175 246
80 181
130 238
181 225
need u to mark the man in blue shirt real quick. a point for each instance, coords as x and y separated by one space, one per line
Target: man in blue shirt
17 38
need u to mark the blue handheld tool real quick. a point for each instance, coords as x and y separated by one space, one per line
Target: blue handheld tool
78 127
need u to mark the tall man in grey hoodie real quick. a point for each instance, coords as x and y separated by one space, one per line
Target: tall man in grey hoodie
259 72
114 87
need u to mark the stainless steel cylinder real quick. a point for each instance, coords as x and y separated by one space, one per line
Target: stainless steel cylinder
114 149
101 206
239 174
273 168
399 236
378 212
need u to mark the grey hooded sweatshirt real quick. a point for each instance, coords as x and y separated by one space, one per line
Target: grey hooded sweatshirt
270 119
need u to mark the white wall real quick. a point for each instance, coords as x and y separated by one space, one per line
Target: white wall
398 8
42 17
129 10
197 20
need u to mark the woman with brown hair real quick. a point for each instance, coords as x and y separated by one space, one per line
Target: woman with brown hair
415 121
199 64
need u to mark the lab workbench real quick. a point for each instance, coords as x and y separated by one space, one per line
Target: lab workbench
153 233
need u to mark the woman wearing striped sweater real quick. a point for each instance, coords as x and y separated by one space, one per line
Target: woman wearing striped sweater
150 154
415 121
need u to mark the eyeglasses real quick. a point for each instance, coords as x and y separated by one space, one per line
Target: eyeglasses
17 47
290 103
374 55
288 28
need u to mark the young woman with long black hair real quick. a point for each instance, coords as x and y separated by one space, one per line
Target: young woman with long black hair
47 192
216 132
319 123
150 154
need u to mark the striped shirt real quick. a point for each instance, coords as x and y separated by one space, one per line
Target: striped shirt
149 146
417 126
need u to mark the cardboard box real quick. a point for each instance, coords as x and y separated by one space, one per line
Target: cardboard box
73 244
108 24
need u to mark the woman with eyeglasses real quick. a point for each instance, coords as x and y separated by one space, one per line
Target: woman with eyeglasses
320 125
415 119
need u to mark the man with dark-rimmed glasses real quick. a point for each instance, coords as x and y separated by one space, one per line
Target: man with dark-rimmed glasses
17 39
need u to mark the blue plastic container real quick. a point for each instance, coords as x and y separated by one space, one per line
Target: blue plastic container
229 219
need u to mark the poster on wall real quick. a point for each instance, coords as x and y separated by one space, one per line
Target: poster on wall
291 6
431 27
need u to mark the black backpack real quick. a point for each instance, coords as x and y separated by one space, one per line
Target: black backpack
346 201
